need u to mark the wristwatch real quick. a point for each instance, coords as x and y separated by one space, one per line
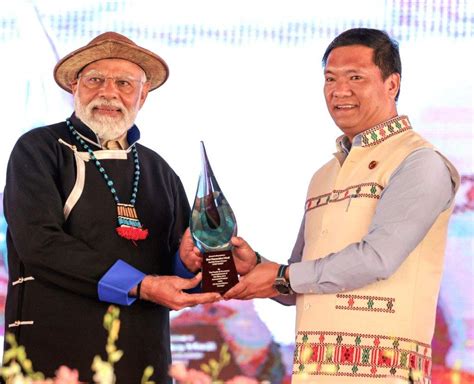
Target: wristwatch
282 285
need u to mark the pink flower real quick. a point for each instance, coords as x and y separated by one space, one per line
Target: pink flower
65 375
188 376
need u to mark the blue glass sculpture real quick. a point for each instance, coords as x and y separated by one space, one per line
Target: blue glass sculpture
212 226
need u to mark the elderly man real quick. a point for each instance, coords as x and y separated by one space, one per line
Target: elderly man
366 268
95 218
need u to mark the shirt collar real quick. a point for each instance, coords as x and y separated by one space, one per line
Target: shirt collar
375 135
343 144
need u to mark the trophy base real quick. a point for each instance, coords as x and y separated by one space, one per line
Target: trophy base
218 272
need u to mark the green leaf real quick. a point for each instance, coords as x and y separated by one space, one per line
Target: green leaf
110 348
28 365
37 376
9 355
11 340
97 361
205 368
224 350
115 356
107 320
21 353
213 363
147 373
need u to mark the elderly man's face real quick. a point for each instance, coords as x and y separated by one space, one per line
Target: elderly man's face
108 95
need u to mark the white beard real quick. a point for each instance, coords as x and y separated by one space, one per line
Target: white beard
105 127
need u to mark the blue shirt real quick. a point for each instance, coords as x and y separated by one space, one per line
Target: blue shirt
397 227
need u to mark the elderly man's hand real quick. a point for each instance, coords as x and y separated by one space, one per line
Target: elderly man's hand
189 253
258 283
169 291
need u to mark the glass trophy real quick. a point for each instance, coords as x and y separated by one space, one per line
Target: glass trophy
212 225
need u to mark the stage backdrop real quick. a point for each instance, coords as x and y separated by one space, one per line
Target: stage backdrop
246 78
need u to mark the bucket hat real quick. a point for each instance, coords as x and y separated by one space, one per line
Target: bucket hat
110 45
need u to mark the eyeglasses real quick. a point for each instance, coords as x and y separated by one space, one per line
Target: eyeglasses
124 84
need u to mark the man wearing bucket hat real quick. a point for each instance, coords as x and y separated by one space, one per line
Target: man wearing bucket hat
95 218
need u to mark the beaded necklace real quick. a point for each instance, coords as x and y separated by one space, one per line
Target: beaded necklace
129 226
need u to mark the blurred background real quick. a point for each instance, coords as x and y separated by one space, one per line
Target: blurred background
246 78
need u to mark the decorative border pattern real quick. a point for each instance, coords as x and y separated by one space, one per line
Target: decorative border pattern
365 303
369 190
318 201
383 131
361 355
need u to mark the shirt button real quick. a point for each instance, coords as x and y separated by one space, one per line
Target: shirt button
324 232
307 306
